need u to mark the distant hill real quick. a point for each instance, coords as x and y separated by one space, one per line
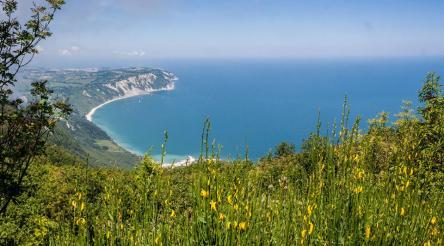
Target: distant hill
86 89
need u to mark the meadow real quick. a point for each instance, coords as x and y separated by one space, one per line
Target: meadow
383 185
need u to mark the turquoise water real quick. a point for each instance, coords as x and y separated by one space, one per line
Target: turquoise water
259 103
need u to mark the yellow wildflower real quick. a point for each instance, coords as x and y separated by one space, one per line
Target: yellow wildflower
427 243
82 206
74 204
213 205
204 193
402 211
303 233
230 200
311 229
221 216
81 221
358 189
433 220
359 174
236 207
173 213
407 184
242 226
310 209
368 232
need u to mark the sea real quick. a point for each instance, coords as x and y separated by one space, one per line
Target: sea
253 105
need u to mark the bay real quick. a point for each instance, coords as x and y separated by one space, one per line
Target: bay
259 103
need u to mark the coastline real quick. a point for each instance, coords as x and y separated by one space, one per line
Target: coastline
90 114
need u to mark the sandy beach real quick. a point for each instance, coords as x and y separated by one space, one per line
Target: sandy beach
90 114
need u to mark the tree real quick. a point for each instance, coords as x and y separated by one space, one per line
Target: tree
431 96
431 88
24 126
431 140
285 149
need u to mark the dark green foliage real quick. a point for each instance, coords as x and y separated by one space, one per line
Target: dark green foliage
284 149
23 126
431 88
431 136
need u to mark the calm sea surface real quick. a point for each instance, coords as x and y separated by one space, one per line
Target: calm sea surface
259 103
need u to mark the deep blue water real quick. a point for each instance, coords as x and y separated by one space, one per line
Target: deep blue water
260 103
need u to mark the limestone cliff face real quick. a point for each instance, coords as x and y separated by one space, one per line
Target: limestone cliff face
145 83
87 88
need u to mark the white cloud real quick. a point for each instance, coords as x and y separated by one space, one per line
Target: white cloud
65 52
69 51
131 53
75 48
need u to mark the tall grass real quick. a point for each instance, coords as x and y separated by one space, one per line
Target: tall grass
336 191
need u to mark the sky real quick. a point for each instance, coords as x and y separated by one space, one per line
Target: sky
102 31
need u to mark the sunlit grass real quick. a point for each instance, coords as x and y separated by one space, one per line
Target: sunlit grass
341 200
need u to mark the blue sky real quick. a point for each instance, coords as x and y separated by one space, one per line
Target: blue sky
97 31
